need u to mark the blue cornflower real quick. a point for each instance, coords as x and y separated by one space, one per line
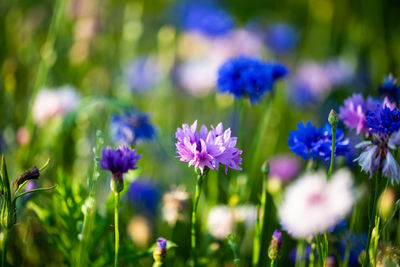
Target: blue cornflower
143 73
355 243
383 120
205 17
120 160
144 196
249 77
384 124
131 127
390 88
282 38
316 143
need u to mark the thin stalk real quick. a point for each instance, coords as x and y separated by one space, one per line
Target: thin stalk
194 213
320 250
257 239
371 218
312 255
116 229
4 248
333 151
299 254
273 263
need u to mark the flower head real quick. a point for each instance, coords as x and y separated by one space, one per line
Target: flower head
220 221
275 245
160 252
390 88
207 149
143 74
312 204
285 167
175 206
120 160
131 127
205 17
354 112
383 120
316 143
249 77
281 38
144 195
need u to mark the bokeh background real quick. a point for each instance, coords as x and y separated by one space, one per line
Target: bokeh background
68 66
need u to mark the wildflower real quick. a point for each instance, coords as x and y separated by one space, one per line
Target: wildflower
312 204
160 252
131 127
355 243
175 206
386 203
313 81
387 255
220 221
144 196
389 88
118 161
281 38
207 149
249 77
53 103
143 74
285 167
316 143
246 214
205 17
140 230
275 245
354 112
384 124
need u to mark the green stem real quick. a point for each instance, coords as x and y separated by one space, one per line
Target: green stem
333 152
257 239
312 255
4 248
194 213
273 263
371 218
157 264
116 204
299 254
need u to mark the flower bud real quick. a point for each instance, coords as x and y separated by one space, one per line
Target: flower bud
333 118
265 168
160 252
117 182
32 174
385 203
275 245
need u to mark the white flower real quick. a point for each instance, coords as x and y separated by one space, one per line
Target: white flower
51 103
246 214
312 204
175 206
220 221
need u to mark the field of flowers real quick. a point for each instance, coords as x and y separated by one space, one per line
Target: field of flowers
199 133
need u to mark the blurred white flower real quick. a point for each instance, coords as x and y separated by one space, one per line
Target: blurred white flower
175 205
312 204
247 214
50 103
220 221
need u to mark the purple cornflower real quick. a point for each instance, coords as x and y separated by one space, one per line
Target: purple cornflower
120 160
384 125
285 167
249 77
207 149
389 88
131 127
162 243
354 112
316 143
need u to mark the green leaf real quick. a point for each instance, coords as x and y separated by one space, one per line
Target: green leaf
35 190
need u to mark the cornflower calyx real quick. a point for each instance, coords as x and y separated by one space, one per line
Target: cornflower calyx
160 251
333 118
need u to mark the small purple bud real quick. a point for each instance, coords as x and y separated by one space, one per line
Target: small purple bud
275 245
160 252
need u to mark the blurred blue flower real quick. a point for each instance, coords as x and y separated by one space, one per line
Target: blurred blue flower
390 88
355 243
281 38
131 127
316 143
249 77
144 196
205 17
143 74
